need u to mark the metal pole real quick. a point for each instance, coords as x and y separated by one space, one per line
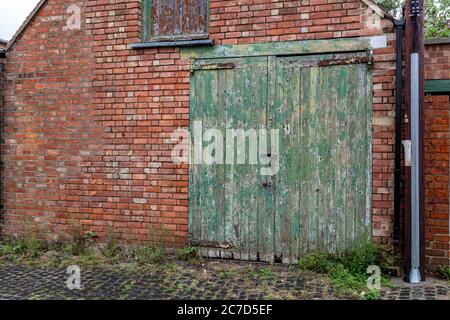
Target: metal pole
414 276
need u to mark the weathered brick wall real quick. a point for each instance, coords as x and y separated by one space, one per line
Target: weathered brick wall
437 140
437 61
437 232
108 167
50 137
2 65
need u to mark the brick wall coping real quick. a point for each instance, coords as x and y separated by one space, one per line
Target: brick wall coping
437 41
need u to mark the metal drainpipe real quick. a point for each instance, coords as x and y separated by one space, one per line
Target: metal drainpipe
414 276
416 12
399 24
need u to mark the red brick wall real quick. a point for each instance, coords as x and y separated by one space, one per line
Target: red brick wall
2 65
437 140
437 61
101 160
437 233
50 136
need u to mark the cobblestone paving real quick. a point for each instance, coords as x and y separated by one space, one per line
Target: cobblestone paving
206 280
432 289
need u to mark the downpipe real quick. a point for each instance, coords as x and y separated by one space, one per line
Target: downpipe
414 276
399 24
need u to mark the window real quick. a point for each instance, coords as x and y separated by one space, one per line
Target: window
166 20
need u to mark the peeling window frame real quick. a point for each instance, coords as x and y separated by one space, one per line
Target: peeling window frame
147 24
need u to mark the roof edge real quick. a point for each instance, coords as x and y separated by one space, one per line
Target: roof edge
437 41
25 23
378 9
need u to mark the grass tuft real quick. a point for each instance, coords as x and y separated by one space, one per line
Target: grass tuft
187 253
443 272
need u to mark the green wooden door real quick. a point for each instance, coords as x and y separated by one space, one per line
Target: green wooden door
227 203
320 196
322 191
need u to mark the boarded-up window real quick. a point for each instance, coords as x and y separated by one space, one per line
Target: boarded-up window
175 19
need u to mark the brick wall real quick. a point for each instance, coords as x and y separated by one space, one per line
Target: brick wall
2 65
50 137
437 140
96 154
437 232
437 61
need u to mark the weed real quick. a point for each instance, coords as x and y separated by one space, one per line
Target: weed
148 255
372 295
129 286
262 273
227 274
112 248
172 267
347 270
80 244
251 272
18 249
34 247
265 273
187 253
443 272
180 286
345 281
318 262
12 250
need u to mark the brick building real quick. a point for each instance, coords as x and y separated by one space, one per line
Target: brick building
437 89
93 91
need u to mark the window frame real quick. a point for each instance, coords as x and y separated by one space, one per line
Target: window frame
147 25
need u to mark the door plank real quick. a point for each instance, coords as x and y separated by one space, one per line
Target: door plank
313 199
225 92
361 145
266 245
306 181
331 139
341 158
287 188
350 215
209 196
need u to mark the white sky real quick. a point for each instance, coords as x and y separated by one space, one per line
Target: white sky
12 14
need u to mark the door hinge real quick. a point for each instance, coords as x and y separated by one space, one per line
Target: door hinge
339 62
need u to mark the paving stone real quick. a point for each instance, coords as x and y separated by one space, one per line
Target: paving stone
188 282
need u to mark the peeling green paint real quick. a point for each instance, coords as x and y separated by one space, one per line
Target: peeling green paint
283 48
320 198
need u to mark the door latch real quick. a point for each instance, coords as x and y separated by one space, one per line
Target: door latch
267 184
